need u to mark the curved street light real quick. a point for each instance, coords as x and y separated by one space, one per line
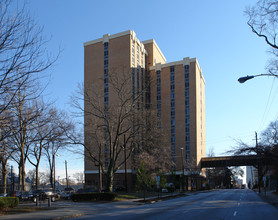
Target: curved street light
245 78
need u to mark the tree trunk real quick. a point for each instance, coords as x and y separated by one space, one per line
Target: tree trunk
4 176
19 176
37 177
51 177
110 178
276 182
23 174
100 178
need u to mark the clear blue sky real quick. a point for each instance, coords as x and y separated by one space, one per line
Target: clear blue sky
215 32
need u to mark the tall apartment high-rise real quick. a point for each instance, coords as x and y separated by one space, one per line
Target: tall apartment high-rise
176 93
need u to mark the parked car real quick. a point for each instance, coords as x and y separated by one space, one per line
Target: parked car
119 189
25 196
171 187
57 194
3 194
50 194
243 186
43 195
65 195
38 194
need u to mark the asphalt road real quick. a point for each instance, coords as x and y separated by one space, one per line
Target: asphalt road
220 204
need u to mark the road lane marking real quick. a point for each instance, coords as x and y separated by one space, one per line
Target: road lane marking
235 213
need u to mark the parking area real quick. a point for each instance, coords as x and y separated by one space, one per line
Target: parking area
45 203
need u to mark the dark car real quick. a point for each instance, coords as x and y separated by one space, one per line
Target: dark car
3 194
43 195
38 194
171 187
119 189
25 196
66 194
50 194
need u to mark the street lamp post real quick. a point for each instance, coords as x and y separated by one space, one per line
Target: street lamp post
54 172
245 78
182 167
125 166
67 173
124 148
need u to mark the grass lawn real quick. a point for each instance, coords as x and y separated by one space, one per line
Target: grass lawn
23 209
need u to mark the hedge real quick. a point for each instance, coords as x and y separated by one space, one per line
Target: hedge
8 202
95 196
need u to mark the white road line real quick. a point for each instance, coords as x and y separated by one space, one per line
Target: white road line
235 213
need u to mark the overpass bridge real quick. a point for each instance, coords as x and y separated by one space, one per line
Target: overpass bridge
228 161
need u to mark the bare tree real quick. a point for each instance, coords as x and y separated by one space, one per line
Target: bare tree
5 155
41 135
266 150
44 178
22 51
270 140
79 176
57 139
270 134
263 21
112 129
23 60
31 174
25 112
153 151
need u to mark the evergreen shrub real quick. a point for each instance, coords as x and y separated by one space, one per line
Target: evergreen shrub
8 202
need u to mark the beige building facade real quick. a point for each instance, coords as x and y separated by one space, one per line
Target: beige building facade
176 94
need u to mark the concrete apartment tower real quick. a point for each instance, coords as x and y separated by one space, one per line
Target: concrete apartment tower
176 94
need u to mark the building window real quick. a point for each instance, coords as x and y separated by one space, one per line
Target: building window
133 54
158 96
142 86
138 86
133 84
172 112
138 58
147 84
106 77
106 98
187 112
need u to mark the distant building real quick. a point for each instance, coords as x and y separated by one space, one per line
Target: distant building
251 173
177 94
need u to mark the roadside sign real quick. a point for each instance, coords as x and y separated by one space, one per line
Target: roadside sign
157 179
264 179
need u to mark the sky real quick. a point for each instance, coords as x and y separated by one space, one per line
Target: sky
215 32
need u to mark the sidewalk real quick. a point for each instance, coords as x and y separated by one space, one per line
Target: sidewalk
270 197
70 210
67 209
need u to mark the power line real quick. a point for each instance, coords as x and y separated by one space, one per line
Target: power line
268 105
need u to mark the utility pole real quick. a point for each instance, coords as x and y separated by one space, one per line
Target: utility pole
259 162
182 168
54 174
67 174
99 169
125 165
12 181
